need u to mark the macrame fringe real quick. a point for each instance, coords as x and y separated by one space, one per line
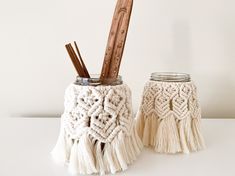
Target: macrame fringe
170 135
61 151
140 123
89 156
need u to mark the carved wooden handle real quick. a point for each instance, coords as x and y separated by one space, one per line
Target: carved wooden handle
117 39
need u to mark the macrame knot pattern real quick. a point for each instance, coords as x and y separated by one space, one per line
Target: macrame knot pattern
98 133
169 117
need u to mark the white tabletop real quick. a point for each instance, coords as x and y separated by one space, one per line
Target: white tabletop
25 146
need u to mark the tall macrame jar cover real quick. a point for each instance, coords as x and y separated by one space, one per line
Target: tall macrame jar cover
98 133
169 116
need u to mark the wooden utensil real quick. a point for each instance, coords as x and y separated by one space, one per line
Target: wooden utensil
75 61
81 60
117 39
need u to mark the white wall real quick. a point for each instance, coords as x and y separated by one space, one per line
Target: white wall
197 37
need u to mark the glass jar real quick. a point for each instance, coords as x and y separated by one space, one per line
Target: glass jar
96 81
97 115
169 115
170 77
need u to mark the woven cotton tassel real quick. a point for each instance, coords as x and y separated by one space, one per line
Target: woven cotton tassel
73 160
100 161
98 133
169 117
60 153
167 137
86 155
199 140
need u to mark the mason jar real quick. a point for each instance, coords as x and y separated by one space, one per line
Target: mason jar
169 116
97 126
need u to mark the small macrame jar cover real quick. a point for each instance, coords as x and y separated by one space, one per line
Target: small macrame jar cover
98 133
169 117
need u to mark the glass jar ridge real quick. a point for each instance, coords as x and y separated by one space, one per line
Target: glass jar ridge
170 77
95 80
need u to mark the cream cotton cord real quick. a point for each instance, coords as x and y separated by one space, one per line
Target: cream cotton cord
98 133
169 117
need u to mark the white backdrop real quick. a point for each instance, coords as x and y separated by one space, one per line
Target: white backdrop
197 37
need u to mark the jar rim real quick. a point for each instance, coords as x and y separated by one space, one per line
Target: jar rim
95 80
170 77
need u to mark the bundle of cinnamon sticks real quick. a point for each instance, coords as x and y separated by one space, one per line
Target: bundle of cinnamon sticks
115 45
